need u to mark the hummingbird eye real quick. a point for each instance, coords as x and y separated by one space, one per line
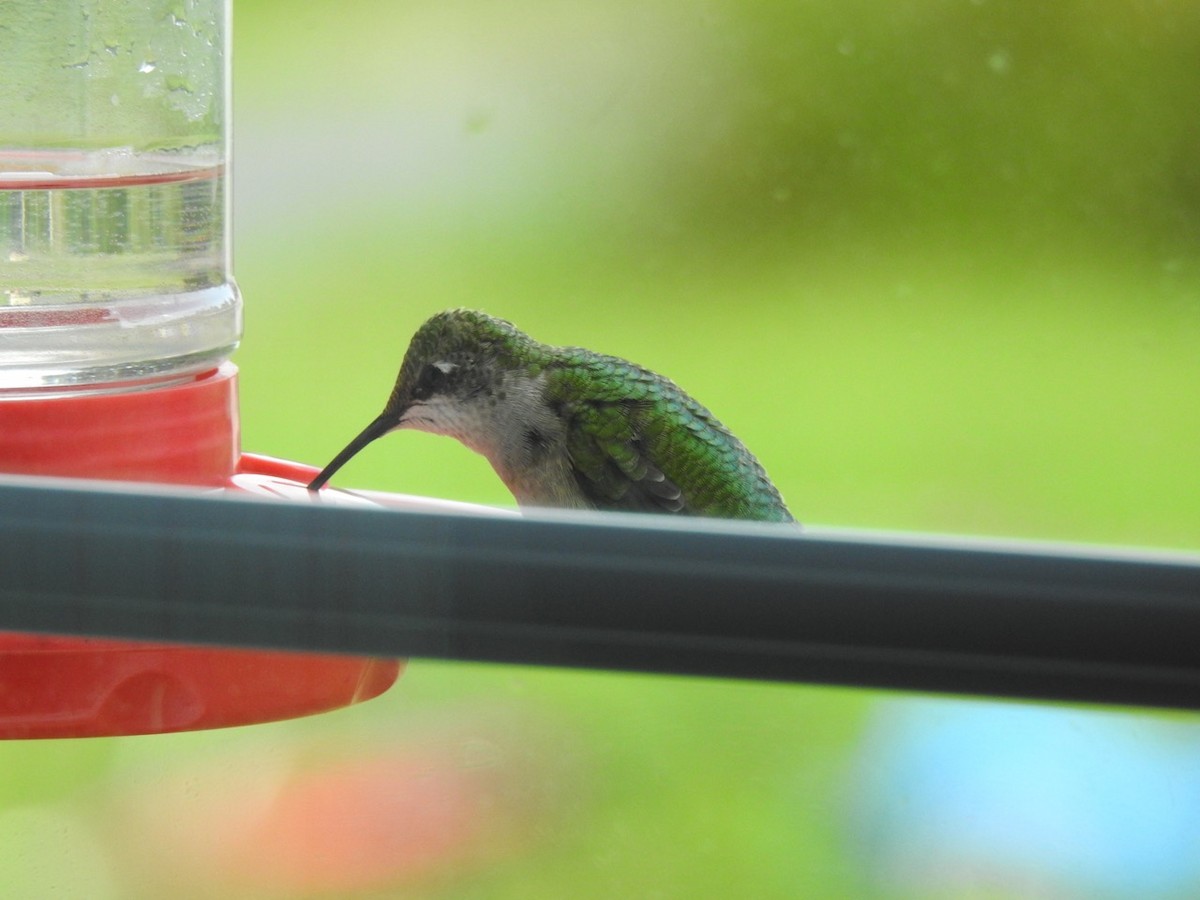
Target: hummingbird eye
433 378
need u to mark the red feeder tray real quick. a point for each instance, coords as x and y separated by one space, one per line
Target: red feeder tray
184 432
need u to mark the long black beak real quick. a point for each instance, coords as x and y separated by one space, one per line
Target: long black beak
384 423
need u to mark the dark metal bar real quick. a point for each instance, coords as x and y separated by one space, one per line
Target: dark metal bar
709 598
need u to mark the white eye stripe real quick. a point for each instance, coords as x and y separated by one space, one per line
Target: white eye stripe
444 366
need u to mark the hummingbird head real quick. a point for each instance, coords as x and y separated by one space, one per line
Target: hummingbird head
465 375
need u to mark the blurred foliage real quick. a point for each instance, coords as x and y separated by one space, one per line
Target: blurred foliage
936 261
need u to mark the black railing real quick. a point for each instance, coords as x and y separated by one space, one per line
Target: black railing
724 599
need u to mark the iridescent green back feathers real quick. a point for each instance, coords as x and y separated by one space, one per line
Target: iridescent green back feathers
639 443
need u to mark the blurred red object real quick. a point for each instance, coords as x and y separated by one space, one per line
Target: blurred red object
366 824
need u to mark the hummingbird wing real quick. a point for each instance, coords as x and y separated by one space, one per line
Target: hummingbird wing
638 443
610 462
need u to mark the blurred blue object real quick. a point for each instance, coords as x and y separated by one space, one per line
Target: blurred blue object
962 798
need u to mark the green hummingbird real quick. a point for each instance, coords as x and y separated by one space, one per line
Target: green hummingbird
566 427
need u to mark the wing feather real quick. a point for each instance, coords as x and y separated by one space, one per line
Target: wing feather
637 442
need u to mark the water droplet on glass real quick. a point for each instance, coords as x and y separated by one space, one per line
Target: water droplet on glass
999 62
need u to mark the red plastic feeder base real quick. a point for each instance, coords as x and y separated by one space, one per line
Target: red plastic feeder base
70 687
182 433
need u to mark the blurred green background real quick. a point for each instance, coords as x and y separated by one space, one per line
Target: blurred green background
935 261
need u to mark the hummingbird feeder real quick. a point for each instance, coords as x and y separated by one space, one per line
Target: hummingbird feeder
118 313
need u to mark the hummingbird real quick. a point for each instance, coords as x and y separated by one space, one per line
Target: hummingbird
567 427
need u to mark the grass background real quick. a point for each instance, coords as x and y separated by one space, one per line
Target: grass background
935 262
